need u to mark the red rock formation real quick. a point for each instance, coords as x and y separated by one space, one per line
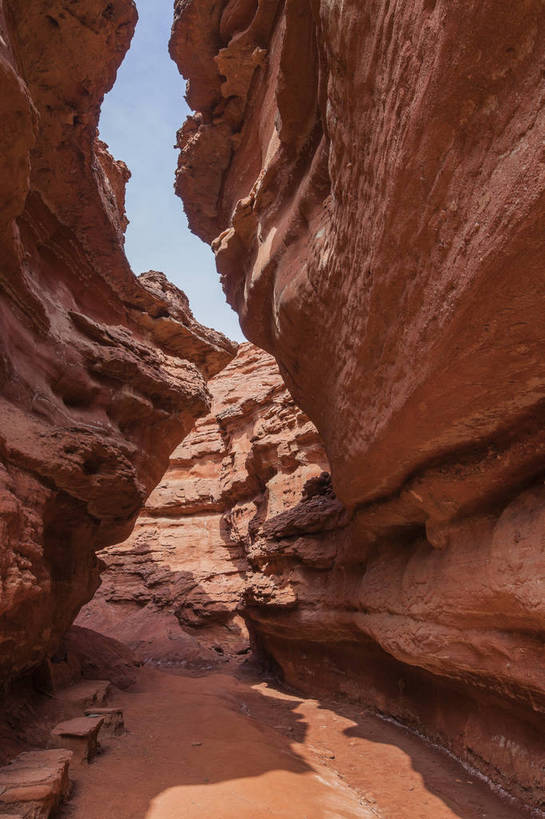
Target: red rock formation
201 551
371 178
100 372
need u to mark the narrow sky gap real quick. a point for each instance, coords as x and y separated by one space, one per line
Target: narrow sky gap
139 120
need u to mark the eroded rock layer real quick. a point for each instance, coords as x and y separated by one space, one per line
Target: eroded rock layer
372 178
101 374
242 495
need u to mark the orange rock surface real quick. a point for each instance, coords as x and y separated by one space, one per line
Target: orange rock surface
371 178
200 551
101 373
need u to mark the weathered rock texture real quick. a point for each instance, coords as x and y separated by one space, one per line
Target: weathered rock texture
229 509
101 374
372 179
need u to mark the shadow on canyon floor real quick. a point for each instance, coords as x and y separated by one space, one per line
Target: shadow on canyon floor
407 775
394 769
184 731
202 744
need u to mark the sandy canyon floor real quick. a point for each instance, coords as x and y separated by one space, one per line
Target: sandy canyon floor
227 744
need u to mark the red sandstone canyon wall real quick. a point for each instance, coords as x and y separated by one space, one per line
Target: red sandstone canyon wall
200 553
101 373
371 178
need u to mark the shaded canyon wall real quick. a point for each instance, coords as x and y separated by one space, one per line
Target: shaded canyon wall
101 373
372 180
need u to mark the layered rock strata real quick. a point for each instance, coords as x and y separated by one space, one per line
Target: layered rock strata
101 373
371 177
243 488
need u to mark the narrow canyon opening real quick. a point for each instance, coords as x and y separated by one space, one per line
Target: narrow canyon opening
301 575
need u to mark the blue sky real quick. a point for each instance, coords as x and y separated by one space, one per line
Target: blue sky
139 120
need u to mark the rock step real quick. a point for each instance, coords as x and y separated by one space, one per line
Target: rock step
114 724
80 735
35 783
86 694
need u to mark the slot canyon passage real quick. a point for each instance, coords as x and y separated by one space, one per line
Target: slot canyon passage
303 576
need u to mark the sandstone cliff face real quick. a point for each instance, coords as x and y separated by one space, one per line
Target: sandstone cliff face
101 374
371 178
206 547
